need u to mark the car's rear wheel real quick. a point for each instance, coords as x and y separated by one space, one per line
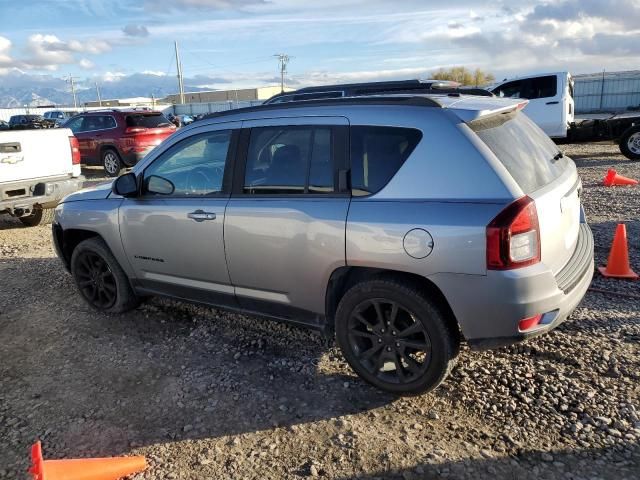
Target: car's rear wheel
630 143
111 162
394 337
100 279
39 216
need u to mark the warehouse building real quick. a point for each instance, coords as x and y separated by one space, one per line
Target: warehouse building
212 96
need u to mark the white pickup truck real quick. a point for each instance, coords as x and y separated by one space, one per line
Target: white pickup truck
37 169
551 106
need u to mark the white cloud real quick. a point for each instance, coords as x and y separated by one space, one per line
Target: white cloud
86 64
49 52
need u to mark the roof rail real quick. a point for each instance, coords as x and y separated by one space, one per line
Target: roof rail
408 100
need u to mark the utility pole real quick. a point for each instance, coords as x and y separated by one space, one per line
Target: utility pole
283 58
73 91
180 79
98 94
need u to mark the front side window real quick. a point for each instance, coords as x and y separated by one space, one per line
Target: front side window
289 160
377 153
193 167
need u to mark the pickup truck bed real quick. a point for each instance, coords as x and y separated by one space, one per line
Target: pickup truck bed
37 170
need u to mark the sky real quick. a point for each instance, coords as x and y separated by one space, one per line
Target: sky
229 44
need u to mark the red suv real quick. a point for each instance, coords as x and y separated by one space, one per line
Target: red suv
118 138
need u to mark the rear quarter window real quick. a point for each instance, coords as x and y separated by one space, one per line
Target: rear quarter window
153 120
523 148
377 153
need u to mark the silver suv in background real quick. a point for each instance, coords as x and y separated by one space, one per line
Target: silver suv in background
404 223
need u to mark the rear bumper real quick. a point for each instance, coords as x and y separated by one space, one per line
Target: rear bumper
488 308
19 198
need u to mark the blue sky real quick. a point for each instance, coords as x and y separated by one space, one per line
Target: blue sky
231 43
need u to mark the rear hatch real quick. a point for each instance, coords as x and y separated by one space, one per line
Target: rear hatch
544 174
147 129
39 153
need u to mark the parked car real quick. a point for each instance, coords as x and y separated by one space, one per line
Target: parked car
4 125
24 122
117 139
37 169
186 120
405 223
551 107
59 116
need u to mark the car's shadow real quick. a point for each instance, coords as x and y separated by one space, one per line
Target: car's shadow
93 384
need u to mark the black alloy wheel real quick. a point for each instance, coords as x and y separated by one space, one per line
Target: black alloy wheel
96 280
389 341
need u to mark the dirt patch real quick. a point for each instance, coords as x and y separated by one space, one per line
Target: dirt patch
207 394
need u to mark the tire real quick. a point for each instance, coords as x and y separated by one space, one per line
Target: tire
418 321
630 143
100 280
39 216
111 162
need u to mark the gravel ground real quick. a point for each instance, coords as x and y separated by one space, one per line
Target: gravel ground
207 394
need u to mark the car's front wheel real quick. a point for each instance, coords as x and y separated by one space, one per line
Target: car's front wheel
394 337
100 279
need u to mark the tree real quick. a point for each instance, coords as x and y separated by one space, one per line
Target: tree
476 78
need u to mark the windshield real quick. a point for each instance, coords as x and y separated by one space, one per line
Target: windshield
524 149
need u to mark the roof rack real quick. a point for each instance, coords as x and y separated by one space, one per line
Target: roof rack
378 88
408 100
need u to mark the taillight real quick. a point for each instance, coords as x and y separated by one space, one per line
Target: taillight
134 129
513 237
75 150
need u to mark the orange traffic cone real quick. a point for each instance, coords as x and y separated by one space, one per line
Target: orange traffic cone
618 263
83 468
612 179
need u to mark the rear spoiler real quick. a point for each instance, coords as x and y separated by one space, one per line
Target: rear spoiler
468 111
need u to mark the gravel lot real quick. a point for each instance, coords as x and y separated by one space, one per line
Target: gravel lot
207 394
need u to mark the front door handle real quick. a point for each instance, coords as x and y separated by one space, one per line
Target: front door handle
201 216
553 103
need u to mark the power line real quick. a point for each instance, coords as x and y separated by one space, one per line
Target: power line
284 59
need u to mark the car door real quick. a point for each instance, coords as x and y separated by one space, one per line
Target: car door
285 222
173 232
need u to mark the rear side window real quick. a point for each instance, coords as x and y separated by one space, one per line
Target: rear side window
289 160
377 153
543 87
523 148
147 120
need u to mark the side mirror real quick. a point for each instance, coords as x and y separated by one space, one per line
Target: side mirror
159 185
126 185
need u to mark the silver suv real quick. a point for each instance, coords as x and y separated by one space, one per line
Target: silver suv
405 224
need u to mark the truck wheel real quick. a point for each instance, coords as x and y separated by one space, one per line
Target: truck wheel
39 216
394 337
630 143
111 162
100 279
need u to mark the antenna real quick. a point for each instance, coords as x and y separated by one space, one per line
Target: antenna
283 59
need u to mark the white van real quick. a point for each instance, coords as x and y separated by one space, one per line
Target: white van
550 98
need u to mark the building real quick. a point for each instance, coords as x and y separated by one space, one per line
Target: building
124 102
213 96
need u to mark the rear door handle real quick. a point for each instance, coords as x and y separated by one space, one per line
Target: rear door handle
553 103
201 216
